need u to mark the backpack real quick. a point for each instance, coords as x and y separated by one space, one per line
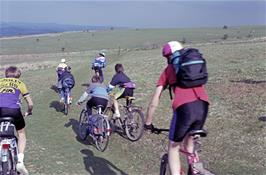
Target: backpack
95 122
190 68
68 81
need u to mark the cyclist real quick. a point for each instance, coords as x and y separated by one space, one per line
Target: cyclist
126 86
190 108
99 63
10 89
96 93
65 79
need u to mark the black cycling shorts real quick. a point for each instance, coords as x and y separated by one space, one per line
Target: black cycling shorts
127 92
15 113
188 117
94 102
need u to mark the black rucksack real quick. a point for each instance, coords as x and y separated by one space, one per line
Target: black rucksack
190 67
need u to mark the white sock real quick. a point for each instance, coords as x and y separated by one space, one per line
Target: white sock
117 112
20 157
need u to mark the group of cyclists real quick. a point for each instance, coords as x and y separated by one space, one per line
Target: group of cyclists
190 105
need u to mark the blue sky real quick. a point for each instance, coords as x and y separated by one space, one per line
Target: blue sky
140 14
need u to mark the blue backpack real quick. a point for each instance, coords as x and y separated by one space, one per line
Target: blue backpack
95 122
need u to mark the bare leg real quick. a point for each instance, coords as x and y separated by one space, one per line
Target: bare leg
21 140
173 158
21 148
116 106
188 144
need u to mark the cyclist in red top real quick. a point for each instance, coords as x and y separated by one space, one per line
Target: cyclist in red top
190 108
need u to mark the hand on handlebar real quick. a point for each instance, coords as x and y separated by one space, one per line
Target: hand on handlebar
149 127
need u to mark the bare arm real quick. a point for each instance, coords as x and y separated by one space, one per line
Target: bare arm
153 104
30 105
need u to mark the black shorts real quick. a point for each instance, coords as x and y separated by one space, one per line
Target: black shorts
187 117
127 92
15 113
94 102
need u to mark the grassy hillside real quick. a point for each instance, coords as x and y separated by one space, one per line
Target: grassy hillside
236 141
126 39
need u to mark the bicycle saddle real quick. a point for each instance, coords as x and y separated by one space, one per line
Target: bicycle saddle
10 119
98 106
201 133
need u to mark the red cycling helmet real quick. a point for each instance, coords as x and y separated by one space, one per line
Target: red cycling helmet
171 47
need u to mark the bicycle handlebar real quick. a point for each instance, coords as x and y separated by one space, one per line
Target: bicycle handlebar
155 130
159 130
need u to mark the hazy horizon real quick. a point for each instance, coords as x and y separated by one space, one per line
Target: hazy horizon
136 14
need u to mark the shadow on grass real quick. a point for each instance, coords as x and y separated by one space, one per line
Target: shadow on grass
248 81
57 106
54 87
75 127
85 84
262 118
98 165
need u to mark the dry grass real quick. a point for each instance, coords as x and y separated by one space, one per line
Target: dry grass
236 141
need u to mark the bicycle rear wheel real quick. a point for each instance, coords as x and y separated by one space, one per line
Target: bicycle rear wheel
8 166
83 125
102 140
134 124
66 103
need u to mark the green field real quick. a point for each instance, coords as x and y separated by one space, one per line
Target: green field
237 82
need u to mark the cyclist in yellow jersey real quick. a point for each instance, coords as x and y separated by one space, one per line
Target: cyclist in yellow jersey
10 90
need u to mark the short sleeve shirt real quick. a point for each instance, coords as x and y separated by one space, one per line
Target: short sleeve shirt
181 95
10 90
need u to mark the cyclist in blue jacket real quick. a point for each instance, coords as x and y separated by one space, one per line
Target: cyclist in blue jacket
96 94
99 63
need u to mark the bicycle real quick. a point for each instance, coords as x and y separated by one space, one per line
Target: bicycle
195 166
96 126
131 123
8 146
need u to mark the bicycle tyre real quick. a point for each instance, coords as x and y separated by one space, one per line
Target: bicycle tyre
109 112
134 124
7 166
164 166
83 125
102 140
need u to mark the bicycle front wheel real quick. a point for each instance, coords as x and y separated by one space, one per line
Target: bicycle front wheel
134 124
109 112
83 125
102 140
164 167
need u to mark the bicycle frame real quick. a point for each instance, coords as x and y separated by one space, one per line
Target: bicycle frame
193 158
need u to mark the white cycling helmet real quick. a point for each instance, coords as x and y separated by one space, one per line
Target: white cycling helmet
171 47
102 54
63 60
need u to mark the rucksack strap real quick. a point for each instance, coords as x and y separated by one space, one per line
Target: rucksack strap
170 92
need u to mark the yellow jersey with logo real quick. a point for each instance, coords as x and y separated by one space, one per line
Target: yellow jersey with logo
10 90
